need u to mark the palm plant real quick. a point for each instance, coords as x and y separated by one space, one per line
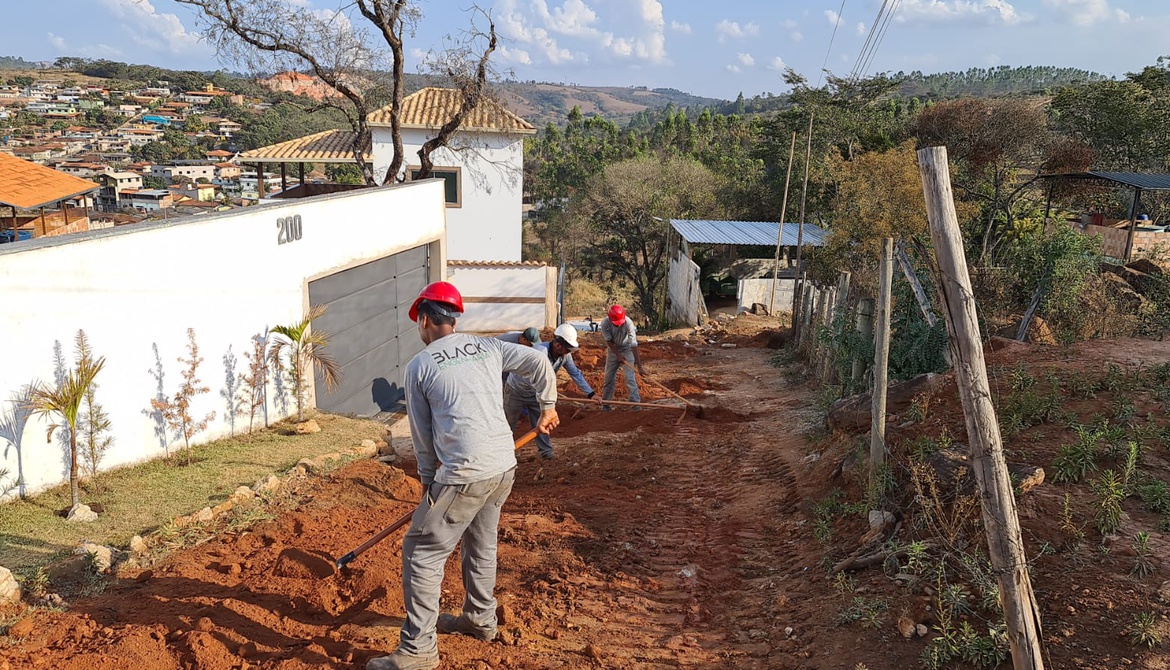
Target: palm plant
12 425
66 400
302 347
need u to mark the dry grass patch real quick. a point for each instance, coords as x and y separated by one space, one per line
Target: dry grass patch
140 498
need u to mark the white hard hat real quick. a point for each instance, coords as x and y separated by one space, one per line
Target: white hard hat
567 333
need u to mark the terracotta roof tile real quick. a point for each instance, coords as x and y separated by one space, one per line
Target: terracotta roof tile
432 107
28 185
330 146
496 264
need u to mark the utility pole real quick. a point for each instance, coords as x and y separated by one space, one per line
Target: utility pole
998 502
780 233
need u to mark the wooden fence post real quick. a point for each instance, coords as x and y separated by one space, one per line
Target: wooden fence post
881 361
826 353
865 333
780 233
1000 520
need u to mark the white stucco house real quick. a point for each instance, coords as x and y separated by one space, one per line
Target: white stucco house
483 175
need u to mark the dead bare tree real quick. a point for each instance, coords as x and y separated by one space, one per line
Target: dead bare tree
357 50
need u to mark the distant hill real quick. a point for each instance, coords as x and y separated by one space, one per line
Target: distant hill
17 63
991 82
544 102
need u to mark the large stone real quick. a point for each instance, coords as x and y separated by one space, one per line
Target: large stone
138 545
307 427
854 412
1123 293
82 513
955 463
1147 266
204 515
242 494
881 519
101 556
269 484
369 444
9 587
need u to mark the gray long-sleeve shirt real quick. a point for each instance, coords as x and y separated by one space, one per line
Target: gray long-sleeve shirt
453 390
524 388
624 336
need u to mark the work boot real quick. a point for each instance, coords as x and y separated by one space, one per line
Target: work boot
547 457
461 625
401 660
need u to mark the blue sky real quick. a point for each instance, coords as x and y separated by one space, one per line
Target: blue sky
710 48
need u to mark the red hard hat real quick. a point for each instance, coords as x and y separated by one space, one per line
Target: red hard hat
440 291
617 315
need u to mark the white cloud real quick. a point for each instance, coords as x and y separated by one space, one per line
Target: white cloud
777 64
152 29
860 29
680 28
731 30
608 29
64 47
745 59
994 12
58 42
796 36
833 17
734 69
992 59
1086 13
789 24
515 56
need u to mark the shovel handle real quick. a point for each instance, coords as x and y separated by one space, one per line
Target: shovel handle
405 518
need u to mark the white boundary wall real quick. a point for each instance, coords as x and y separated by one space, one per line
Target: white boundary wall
139 287
498 297
759 290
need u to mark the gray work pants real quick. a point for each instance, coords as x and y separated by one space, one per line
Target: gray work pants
515 407
447 514
612 363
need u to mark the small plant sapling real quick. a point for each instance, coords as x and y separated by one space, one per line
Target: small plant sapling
177 410
253 387
1110 491
66 400
1143 563
94 423
1144 630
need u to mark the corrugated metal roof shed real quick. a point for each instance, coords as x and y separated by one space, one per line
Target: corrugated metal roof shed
696 231
1145 181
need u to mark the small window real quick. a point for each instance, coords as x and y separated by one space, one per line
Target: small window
451 176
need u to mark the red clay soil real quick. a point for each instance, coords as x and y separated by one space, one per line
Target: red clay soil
644 545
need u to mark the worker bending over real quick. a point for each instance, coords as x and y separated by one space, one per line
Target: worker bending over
466 463
621 340
521 395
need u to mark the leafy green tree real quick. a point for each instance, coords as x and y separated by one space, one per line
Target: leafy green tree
626 211
23 80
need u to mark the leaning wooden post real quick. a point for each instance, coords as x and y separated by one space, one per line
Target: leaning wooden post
826 353
881 362
865 332
780 233
1002 524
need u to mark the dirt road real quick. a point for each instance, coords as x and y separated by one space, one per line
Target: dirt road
645 544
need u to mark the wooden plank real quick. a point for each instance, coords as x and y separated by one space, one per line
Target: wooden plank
881 361
997 500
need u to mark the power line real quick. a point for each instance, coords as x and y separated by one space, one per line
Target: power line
869 39
881 36
840 11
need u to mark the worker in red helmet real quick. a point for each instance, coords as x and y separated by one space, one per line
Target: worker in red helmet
466 464
621 340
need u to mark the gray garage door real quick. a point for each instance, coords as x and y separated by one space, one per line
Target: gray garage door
371 334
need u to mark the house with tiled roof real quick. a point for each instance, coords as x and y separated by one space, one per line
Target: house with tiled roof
29 194
482 170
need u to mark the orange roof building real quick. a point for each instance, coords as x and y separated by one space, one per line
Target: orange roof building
26 185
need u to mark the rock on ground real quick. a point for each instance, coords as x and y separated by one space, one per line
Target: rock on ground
307 427
204 515
855 411
269 484
138 545
9 588
103 556
81 513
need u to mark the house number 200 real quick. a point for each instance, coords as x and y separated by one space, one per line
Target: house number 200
288 229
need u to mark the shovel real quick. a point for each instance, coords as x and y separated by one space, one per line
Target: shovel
405 519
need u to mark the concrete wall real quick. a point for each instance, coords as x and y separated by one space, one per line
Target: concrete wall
488 224
136 289
683 291
501 297
759 290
